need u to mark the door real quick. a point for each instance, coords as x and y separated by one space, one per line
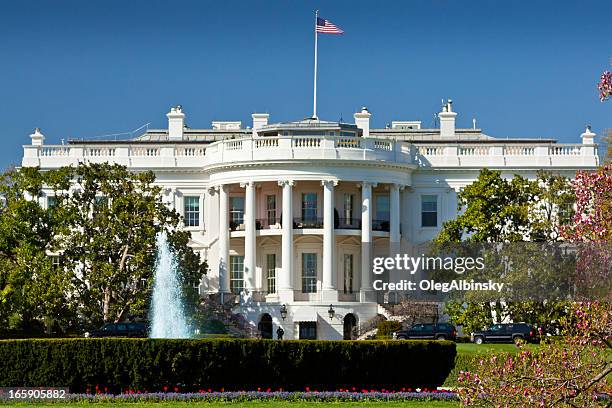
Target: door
265 326
350 326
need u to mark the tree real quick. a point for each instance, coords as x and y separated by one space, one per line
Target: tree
32 290
499 210
605 86
112 217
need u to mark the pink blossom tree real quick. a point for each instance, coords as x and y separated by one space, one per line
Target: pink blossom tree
605 86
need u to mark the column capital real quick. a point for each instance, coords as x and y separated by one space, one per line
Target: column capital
401 187
246 184
370 184
283 183
327 182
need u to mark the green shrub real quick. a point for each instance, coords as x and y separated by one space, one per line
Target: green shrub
387 327
231 364
214 327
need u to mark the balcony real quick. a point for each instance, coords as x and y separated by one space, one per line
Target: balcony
308 222
268 223
348 223
380 225
237 225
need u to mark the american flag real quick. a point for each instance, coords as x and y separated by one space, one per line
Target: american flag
327 27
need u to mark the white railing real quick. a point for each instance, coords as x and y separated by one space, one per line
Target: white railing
430 150
99 152
382 145
348 143
233 145
190 151
473 150
265 143
306 142
518 150
145 151
54 151
565 150
317 148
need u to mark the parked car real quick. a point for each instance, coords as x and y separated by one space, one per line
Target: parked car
506 333
126 329
425 331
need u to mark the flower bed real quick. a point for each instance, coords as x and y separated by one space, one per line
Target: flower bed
242 396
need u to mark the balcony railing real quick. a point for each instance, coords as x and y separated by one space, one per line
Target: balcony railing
268 223
307 222
348 223
237 225
380 225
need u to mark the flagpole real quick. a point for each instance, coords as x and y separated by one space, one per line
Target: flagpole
314 104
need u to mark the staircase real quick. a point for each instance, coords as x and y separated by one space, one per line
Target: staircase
236 324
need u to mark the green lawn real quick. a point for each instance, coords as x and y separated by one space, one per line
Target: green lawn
471 348
261 404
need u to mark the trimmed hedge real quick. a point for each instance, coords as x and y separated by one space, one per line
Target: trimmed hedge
228 364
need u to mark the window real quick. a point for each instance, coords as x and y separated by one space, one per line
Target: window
236 274
55 262
429 211
237 210
382 207
309 272
348 207
309 206
100 202
348 273
192 211
566 213
308 330
271 209
51 202
271 272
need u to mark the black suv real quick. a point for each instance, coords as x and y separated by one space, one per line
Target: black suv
126 329
506 333
423 331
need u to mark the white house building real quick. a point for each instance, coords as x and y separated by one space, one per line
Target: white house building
289 215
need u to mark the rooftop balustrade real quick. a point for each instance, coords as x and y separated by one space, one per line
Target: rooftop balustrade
313 148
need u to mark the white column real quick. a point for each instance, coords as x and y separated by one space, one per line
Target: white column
329 293
223 240
249 237
394 216
285 280
366 242
394 229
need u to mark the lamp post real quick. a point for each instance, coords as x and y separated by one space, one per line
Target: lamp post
331 311
283 311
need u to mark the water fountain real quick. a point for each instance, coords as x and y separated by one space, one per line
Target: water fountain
168 320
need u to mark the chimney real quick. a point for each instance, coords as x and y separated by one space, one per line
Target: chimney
37 137
176 123
362 120
259 120
447 120
588 137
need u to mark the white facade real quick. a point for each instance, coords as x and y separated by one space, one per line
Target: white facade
292 213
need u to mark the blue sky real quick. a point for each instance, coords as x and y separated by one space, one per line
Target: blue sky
86 68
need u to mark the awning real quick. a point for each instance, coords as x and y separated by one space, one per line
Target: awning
305 314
